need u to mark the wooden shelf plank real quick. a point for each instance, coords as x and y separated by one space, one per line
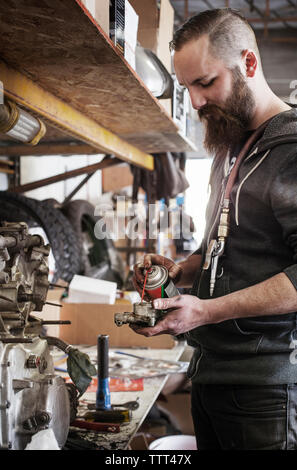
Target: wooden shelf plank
26 93
61 48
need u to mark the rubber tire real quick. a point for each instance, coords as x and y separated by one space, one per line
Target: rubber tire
62 238
76 211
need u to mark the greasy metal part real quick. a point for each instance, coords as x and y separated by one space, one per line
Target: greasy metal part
157 285
19 124
143 314
8 116
53 341
32 397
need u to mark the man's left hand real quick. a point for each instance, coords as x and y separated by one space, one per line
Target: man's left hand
185 312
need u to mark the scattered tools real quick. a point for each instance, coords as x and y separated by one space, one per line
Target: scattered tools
95 426
130 405
109 416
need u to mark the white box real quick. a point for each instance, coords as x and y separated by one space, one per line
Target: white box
83 289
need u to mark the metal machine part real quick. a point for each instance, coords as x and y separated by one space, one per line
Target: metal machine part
153 73
32 397
103 391
157 285
20 125
143 314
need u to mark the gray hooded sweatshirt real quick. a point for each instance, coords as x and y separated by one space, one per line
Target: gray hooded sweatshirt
262 242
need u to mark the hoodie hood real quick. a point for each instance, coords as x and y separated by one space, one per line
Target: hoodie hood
281 129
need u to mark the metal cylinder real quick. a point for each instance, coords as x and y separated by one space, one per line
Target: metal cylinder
103 392
156 277
103 343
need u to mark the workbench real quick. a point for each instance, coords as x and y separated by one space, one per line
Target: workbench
146 398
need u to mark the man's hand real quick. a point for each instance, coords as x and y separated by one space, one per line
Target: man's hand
274 296
174 270
185 312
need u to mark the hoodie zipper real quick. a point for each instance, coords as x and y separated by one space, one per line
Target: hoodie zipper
223 187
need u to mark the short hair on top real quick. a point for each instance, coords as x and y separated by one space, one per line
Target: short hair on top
228 31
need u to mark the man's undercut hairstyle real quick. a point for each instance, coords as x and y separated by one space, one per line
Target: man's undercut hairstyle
229 34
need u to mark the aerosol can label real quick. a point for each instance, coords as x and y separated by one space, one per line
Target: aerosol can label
158 283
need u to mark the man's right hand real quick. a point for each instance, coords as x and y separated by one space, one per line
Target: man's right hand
174 270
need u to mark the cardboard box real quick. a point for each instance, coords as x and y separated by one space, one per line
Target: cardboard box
99 10
148 23
165 33
116 177
90 320
155 28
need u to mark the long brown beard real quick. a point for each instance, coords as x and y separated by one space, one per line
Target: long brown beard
225 126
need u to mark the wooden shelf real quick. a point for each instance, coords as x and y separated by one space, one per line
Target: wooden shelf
60 48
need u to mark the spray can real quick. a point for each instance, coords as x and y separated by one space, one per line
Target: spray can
158 283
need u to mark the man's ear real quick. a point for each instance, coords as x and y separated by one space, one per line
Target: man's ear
250 63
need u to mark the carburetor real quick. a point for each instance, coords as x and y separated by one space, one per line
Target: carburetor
157 285
143 314
23 278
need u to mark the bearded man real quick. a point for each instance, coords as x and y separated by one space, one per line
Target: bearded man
241 314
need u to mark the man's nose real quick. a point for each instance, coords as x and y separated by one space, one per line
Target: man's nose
198 100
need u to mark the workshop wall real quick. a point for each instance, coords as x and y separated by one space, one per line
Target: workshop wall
36 168
3 182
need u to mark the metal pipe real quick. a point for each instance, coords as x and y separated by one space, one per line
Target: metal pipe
106 162
52 341
7 242
4 114
11 316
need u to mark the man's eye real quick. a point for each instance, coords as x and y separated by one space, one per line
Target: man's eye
205 85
